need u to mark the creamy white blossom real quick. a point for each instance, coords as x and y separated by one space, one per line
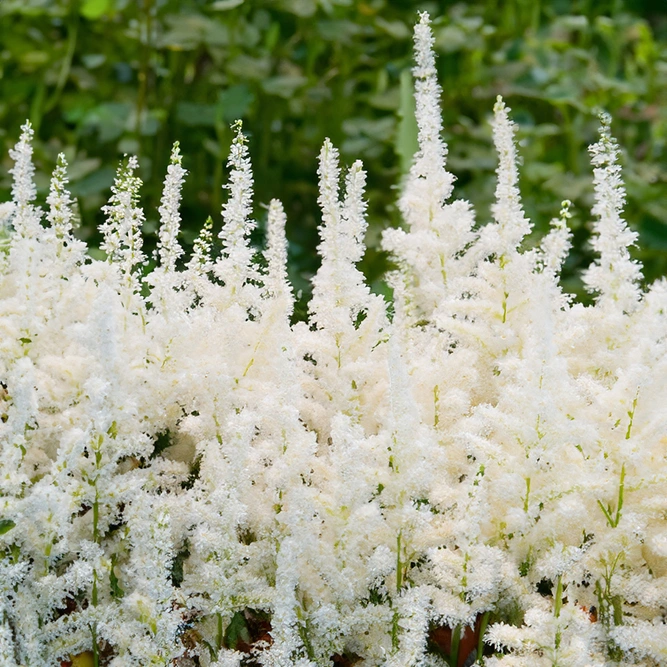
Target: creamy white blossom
189 478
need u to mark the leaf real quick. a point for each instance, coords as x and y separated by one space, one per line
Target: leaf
109 119
234 102
283 86
93 9
237 632
224 5
6 525
194 114
114 584
395 29
94 183
302 8
188 31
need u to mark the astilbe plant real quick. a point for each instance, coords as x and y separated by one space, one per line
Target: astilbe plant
476 475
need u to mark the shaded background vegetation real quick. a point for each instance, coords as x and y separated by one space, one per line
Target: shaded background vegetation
101 78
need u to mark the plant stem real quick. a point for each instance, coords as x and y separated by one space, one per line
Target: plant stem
456 640
480 640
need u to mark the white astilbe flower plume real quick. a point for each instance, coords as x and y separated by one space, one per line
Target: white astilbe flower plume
329 285
122 230
170 218
557 243
24 191
60 213
200 262
614 276
235 267
511 224
188 478
339 289
276 282
429 252
428 179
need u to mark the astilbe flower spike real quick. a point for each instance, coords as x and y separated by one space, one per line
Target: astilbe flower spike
170 219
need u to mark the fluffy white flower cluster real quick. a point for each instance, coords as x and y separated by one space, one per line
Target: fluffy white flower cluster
477 475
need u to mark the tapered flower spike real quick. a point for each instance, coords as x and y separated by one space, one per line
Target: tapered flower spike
201 251
431 157
354 212
614 275
429 184
276 251
557 243
329 174
235 267
24 191
338 281
507 210
60 201
170 217
122 229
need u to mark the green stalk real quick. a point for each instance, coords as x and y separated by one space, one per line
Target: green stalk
456 640
96 654
218 640
480 640
399 564
93 627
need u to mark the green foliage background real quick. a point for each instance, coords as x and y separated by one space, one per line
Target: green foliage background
101 78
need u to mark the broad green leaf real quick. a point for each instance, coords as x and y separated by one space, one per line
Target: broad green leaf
223 5
6 525
93 9
195 114
283 86
234 102
237 631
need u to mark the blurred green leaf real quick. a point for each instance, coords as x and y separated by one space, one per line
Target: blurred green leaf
234 102
223 5
6 525
237 631
283 86
195 114
109 119
93 9
94 183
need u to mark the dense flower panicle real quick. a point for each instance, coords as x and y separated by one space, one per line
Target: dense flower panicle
512 224
24 192
122 230
170 217
200 262
60 201
187 478
427 175
557 243
235 267
614 275
276 251
429 252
